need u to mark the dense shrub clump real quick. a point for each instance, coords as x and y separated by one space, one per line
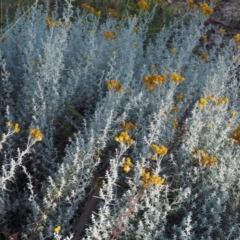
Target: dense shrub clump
98 122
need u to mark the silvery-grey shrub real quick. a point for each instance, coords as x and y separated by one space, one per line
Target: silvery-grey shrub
48 183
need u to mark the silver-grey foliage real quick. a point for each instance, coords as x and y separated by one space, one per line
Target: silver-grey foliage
48 183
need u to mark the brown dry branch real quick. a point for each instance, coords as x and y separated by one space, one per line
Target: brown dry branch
86 215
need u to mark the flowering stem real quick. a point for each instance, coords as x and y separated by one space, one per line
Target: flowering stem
119 228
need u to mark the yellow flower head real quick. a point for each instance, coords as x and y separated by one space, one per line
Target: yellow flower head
221 101
204 38
237 38
113 13
127 165
234 113
48 20
191 4
180 97
174 50
87 8
236 135
114 85
175 123
210 97
36 134
98 13
84 5
123 137
161 150
110 35
128 125
155 147
151 179
175 109
205 9
176 78
135 30
143 5
14 126
152 80
210 124
57 229
222 30
204 158
204 56
203 101
153 66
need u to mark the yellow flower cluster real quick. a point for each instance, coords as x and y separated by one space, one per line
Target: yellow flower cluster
127 165
36 134
180 96
143 5
222 30
202 102
204 37
123 137
205 57
176 78
175 123
114 85
237 40
175 109
210 124
49 21
98 13
110 35
221 101
174 50
150 179
218 101
237 37
204 158
152 80
233 112
135 30
14 126
128 126
113 13
161 150
205 9
210 97
57 229
191 4
236 134
88 8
